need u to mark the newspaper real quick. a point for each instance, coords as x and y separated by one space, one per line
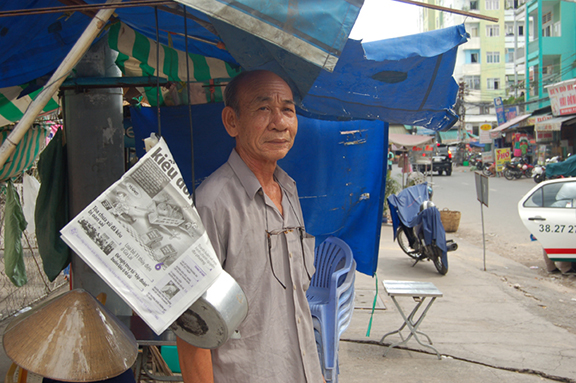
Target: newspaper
144 237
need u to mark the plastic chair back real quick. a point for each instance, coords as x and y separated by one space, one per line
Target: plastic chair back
331 300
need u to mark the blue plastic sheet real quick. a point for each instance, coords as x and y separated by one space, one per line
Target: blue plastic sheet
339 168
405 80
405 210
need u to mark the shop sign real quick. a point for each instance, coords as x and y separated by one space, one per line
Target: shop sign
484 136
422 154
487 157
563 97
549 126
499 108
536 119
503 156
545 136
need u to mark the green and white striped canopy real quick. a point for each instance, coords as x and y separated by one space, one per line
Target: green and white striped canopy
137 57
12 108
25 153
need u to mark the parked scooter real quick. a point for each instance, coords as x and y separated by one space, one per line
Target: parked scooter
517 168
418 227
476 161
539 172
489 169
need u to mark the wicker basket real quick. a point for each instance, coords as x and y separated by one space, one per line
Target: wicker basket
450 220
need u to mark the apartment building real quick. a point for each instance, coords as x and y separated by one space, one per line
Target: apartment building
486 63
550 56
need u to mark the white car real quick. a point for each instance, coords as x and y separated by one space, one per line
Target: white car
549 212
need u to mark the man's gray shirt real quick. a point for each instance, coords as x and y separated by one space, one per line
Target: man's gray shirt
277 338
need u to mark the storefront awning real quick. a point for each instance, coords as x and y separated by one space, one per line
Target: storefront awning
409 140
497 132
553 124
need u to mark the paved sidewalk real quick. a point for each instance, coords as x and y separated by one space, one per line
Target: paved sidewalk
485 329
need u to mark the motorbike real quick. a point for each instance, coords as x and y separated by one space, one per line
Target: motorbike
418 227
517 168
488 169
539 172
476 161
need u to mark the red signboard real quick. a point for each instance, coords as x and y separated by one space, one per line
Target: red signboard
563 97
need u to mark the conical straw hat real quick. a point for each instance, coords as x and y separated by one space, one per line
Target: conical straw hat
71 338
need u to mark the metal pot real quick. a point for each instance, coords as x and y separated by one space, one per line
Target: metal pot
214 317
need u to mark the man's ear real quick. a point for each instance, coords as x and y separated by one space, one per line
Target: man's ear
230 121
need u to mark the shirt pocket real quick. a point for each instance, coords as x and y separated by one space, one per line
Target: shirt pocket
308 244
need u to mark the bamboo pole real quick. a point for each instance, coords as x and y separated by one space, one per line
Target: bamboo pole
450 10
69 62
84 7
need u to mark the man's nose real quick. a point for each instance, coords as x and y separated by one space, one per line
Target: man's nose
278 121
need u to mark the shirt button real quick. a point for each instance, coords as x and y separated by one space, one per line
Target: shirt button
290 254
298 319
294 287
303 353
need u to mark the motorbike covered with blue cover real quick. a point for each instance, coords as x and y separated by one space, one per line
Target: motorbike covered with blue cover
566 168
405 210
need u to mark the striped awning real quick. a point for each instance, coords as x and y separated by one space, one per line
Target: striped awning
25 153
137 57
12 106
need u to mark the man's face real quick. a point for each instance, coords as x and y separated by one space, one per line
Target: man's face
266 125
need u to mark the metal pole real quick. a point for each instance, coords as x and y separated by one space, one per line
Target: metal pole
36 106
483 235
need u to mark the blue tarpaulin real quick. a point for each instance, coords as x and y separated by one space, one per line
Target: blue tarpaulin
405 80
339 168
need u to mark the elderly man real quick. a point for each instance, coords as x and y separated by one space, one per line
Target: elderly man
252 214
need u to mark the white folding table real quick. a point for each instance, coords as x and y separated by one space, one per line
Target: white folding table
418 291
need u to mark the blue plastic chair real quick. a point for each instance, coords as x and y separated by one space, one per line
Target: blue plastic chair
331 300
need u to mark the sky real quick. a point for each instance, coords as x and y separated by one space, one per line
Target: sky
384 19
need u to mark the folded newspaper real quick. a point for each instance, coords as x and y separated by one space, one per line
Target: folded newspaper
144 237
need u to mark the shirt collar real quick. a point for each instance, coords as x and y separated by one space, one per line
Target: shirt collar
249 180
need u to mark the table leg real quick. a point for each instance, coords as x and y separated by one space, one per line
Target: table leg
412 326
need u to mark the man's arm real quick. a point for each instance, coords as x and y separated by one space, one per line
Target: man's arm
195 363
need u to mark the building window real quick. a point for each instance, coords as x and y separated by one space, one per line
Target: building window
558 29
472 82
509 29
492 57
472 56
509 55
492 5
520 30
492 30
473 30
473 5
493 83
546 18
484 109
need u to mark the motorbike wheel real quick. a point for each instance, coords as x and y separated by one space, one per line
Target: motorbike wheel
440 266
518 175
508 174
528 173
405 244
486 171
539 178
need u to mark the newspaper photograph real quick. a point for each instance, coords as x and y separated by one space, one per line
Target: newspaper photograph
145 239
